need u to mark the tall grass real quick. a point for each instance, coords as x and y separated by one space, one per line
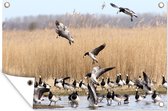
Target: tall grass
131 51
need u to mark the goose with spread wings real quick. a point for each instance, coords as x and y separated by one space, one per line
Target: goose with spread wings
63 31
125 10
92 54
96 73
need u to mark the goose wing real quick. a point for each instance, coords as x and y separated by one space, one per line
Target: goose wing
128 10
98 49
146 78
102 71
113 5
92 93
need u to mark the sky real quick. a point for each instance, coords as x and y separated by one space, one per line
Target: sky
20 8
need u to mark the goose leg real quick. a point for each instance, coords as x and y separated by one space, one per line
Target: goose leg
50 103
131 19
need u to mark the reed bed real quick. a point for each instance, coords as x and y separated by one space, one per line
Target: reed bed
131 51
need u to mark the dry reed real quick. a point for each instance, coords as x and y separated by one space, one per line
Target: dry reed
131 51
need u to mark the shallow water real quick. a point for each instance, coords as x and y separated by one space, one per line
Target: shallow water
146 104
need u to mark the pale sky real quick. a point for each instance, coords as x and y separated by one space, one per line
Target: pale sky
20 8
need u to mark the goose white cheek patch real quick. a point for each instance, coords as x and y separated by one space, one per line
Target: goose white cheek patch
103 55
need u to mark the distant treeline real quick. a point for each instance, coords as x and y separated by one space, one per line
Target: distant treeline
84 21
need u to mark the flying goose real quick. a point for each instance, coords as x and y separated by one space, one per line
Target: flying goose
53 98
139 97
92 96
62 31
125 10
74 99
92 54
156 97
164 82
96 73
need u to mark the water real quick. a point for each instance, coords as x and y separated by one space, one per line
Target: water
146 104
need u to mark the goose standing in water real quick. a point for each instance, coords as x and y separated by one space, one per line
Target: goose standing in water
96 73
125 11
62 31
53 98
74 99
92 54
138 97
118 98
109 98
155 97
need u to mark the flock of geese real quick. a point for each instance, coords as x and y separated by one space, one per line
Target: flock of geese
92 81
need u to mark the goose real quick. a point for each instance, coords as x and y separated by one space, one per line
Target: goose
109 98
126 100
62 31
164 82
103 83
147 80
138 97
39 91
40 81
67 86
128 81
74 99
123 81
92 54
125 11
111 84
118 98
96 73
119 80
75 84
145 84
155 97
53 98
82 85
58 82
92 97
